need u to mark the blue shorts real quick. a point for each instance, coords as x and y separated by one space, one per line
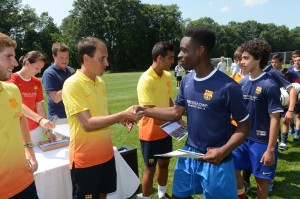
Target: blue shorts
194 177
249 154
150 148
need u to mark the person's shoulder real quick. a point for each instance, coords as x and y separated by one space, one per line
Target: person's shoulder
10 86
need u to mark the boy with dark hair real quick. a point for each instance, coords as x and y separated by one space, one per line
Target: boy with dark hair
155 90
261 96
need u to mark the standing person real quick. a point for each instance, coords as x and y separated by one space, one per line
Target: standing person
293 75
53 79
206 95
155 90
32 93
237 56
179 73
222 65
262 97
92 160
234 67
17 166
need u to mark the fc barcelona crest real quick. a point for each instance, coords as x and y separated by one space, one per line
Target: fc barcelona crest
13 103
208 94
258 90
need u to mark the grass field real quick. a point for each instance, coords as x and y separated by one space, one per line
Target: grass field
121 92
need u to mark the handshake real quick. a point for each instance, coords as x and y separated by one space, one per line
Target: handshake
131 116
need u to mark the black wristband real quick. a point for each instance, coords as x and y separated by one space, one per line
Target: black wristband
40 120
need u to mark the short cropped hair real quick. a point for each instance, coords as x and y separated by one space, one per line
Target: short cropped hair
59 47
259 49
88 46
278 56
161 48
202 37
6 41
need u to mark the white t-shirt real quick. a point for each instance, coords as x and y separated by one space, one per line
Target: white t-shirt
221 66
179 70
234 68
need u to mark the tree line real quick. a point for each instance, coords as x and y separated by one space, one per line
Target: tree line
130 29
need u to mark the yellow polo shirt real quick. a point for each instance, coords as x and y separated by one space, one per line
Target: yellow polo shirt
15 175
153 90
80 93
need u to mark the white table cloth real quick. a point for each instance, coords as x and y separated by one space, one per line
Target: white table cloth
53 178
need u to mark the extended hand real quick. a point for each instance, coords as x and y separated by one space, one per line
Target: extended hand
47 124
213 155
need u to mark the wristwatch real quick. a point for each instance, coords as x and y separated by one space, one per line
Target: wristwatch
29 145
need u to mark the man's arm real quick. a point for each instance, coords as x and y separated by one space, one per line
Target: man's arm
269 156
91 123
56 96
30 156
289 116
173 113
216 155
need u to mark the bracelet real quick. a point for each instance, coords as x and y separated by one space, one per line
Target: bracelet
290 111
40 120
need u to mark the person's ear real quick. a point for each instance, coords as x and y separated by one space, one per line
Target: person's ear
86 58
200 51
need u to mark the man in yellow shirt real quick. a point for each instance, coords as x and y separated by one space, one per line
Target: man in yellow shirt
155 89
92 160
17 166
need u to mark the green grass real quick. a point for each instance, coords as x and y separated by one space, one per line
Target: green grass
121 93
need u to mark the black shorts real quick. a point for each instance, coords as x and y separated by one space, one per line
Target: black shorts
178 78
92 181
150 148
29 192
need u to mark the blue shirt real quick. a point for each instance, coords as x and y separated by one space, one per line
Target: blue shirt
53 80
262 97
209 103
278 77
293 75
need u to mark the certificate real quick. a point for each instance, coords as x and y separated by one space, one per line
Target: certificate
182 153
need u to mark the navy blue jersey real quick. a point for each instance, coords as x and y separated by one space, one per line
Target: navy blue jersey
278 77
262 97
209 102
293 75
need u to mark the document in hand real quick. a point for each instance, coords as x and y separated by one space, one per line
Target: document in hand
175 130
181 153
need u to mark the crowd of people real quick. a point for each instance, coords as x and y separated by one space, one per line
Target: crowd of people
245 106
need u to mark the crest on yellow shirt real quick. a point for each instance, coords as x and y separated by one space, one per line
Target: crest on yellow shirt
208 94
103 92
168 84
35 88
13 102
258 90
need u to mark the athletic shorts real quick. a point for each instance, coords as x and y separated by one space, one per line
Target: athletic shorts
178 78
192 176
91 181
249 154
151 148
29 192
282 114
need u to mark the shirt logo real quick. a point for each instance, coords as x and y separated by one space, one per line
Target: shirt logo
35 88
151 161
208 94
168 84
258 90
267 173
90 196
13 103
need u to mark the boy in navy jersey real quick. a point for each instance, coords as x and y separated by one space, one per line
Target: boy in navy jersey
262 98
209 98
